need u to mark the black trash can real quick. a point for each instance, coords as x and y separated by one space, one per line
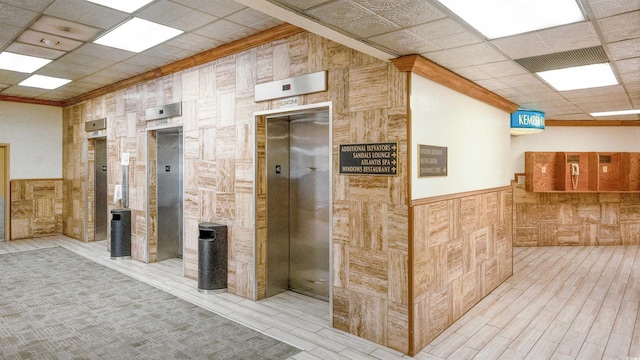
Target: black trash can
212 258
120 234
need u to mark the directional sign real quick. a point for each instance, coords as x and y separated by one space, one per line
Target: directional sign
369 159
432 160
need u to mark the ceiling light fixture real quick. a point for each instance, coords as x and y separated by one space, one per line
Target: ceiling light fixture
580 77
615 113
50 42
44 82
499 18
137 35
21 63
128 6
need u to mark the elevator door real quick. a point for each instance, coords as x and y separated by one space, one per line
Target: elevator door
169 193
101 211
298 204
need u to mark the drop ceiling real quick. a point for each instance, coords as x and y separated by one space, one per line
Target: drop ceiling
64 30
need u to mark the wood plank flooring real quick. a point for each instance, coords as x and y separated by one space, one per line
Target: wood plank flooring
561 303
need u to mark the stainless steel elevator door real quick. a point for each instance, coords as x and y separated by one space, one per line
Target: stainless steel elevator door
169 193
302 191
101 211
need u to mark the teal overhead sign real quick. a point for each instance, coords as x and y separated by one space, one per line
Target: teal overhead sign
527 122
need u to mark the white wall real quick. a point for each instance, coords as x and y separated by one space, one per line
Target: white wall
34 133
574 138
476 135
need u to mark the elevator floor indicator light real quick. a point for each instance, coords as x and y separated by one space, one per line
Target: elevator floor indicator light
167 168
278 169
286 87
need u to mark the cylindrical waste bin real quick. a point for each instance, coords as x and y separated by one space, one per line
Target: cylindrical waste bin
212 258
120 234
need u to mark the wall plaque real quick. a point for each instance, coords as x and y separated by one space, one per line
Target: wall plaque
369 159
432 160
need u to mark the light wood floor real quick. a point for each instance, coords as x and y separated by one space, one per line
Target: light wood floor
561 303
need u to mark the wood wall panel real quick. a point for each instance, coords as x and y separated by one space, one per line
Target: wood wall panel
35 208
585 219
462 251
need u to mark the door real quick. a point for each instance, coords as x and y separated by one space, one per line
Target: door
169 193
298 204
101 211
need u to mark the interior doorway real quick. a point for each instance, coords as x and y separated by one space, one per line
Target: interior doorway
298 203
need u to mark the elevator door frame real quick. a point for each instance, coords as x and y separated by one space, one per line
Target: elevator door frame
325 106
155 130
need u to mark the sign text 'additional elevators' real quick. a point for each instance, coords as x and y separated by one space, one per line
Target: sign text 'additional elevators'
369 159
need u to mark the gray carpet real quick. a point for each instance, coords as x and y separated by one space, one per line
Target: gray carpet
55 304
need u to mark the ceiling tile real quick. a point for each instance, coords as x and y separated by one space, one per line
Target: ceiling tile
621 27
34 5
502 68
625 49
16 16
86 13
266 24
217 29
521 80
404 42
628 65
384 5
475 54
570 37
605 8
67 70
247 17
369 26
37 51
87 60
38 38
193 42
168 53
472 73
65 28
339 13
445 33
23 91
217 8
522 46
416 12
299 5
8 32
163 11
605 91
12 77
96 50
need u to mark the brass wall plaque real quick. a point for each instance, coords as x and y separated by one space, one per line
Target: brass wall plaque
432 161
573 159
369 159
605 159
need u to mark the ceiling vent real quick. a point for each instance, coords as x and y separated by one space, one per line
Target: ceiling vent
565 59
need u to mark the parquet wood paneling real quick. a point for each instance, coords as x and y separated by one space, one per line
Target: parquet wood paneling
554 219
462 251
36 208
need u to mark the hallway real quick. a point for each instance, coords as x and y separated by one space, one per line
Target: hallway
561 303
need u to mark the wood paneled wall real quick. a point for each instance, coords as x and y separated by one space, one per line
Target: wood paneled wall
370 213
462 250
36 208
560 219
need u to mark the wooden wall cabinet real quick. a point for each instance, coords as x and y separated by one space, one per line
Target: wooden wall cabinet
598 171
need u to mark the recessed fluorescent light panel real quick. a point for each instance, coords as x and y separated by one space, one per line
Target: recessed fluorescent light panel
122 5
580 77
44 82
137 35
21 63
616 113
500 18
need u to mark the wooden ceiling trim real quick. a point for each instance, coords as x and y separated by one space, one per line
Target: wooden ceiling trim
592 122
432 71
275 33
18 99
